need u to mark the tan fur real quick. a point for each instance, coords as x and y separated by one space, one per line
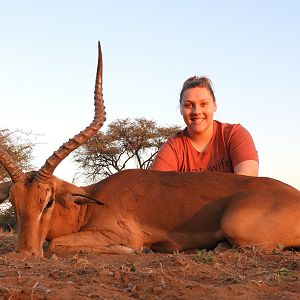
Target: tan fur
165 211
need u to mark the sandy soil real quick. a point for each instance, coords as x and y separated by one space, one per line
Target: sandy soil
231 274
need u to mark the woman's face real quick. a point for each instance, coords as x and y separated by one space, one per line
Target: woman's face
197 108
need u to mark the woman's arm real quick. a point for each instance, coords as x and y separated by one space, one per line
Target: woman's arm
247 167
166 159
243 152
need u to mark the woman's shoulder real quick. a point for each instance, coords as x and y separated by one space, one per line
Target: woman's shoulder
179 135
178 140
232 131
228 128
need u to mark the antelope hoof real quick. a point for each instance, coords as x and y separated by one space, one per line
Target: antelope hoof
221 247
146 250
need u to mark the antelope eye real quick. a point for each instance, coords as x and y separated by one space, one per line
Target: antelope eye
50 203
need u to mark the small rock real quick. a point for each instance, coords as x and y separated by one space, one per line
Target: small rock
117 275
157 290
139 287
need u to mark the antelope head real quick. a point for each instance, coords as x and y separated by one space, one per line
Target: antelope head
33 194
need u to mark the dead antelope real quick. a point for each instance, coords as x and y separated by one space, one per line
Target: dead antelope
163 211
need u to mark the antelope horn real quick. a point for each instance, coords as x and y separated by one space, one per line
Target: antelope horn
15 172
53 161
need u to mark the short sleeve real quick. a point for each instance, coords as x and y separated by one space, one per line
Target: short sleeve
166 158
241 145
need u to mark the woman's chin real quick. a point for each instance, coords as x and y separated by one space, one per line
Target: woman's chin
196 129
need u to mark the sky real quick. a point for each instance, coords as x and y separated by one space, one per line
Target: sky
249 49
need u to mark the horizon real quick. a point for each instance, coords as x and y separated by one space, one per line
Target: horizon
250 51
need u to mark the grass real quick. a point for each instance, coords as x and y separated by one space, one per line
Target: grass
203 256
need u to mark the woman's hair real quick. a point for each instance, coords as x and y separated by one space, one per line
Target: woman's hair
196 81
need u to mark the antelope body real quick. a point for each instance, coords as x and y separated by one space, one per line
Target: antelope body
164 211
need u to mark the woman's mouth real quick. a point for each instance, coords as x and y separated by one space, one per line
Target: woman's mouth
197 120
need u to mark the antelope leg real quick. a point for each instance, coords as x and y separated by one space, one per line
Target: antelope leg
87 241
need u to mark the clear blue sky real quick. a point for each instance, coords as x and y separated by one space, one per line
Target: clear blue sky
249 49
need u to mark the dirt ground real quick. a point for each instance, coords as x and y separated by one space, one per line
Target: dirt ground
230 274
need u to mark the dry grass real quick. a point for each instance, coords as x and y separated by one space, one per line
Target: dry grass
245 273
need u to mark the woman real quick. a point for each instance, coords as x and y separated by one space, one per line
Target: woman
206 144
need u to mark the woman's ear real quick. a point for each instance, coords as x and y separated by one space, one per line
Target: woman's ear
180 108
216 106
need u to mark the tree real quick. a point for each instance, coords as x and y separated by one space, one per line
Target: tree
17 144
126 143
19 147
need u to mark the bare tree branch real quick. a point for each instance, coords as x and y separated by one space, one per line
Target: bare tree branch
126 144
18 145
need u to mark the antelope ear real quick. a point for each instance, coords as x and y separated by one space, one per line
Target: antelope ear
85 200
4 190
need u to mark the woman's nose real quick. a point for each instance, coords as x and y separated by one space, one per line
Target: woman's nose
197 109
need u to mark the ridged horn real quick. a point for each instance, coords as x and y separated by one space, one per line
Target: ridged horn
15 172
54 160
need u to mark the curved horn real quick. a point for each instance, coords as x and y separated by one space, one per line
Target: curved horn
15 172
53 161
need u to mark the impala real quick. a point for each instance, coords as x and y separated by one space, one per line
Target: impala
133 209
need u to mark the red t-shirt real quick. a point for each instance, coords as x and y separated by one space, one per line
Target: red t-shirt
230 145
